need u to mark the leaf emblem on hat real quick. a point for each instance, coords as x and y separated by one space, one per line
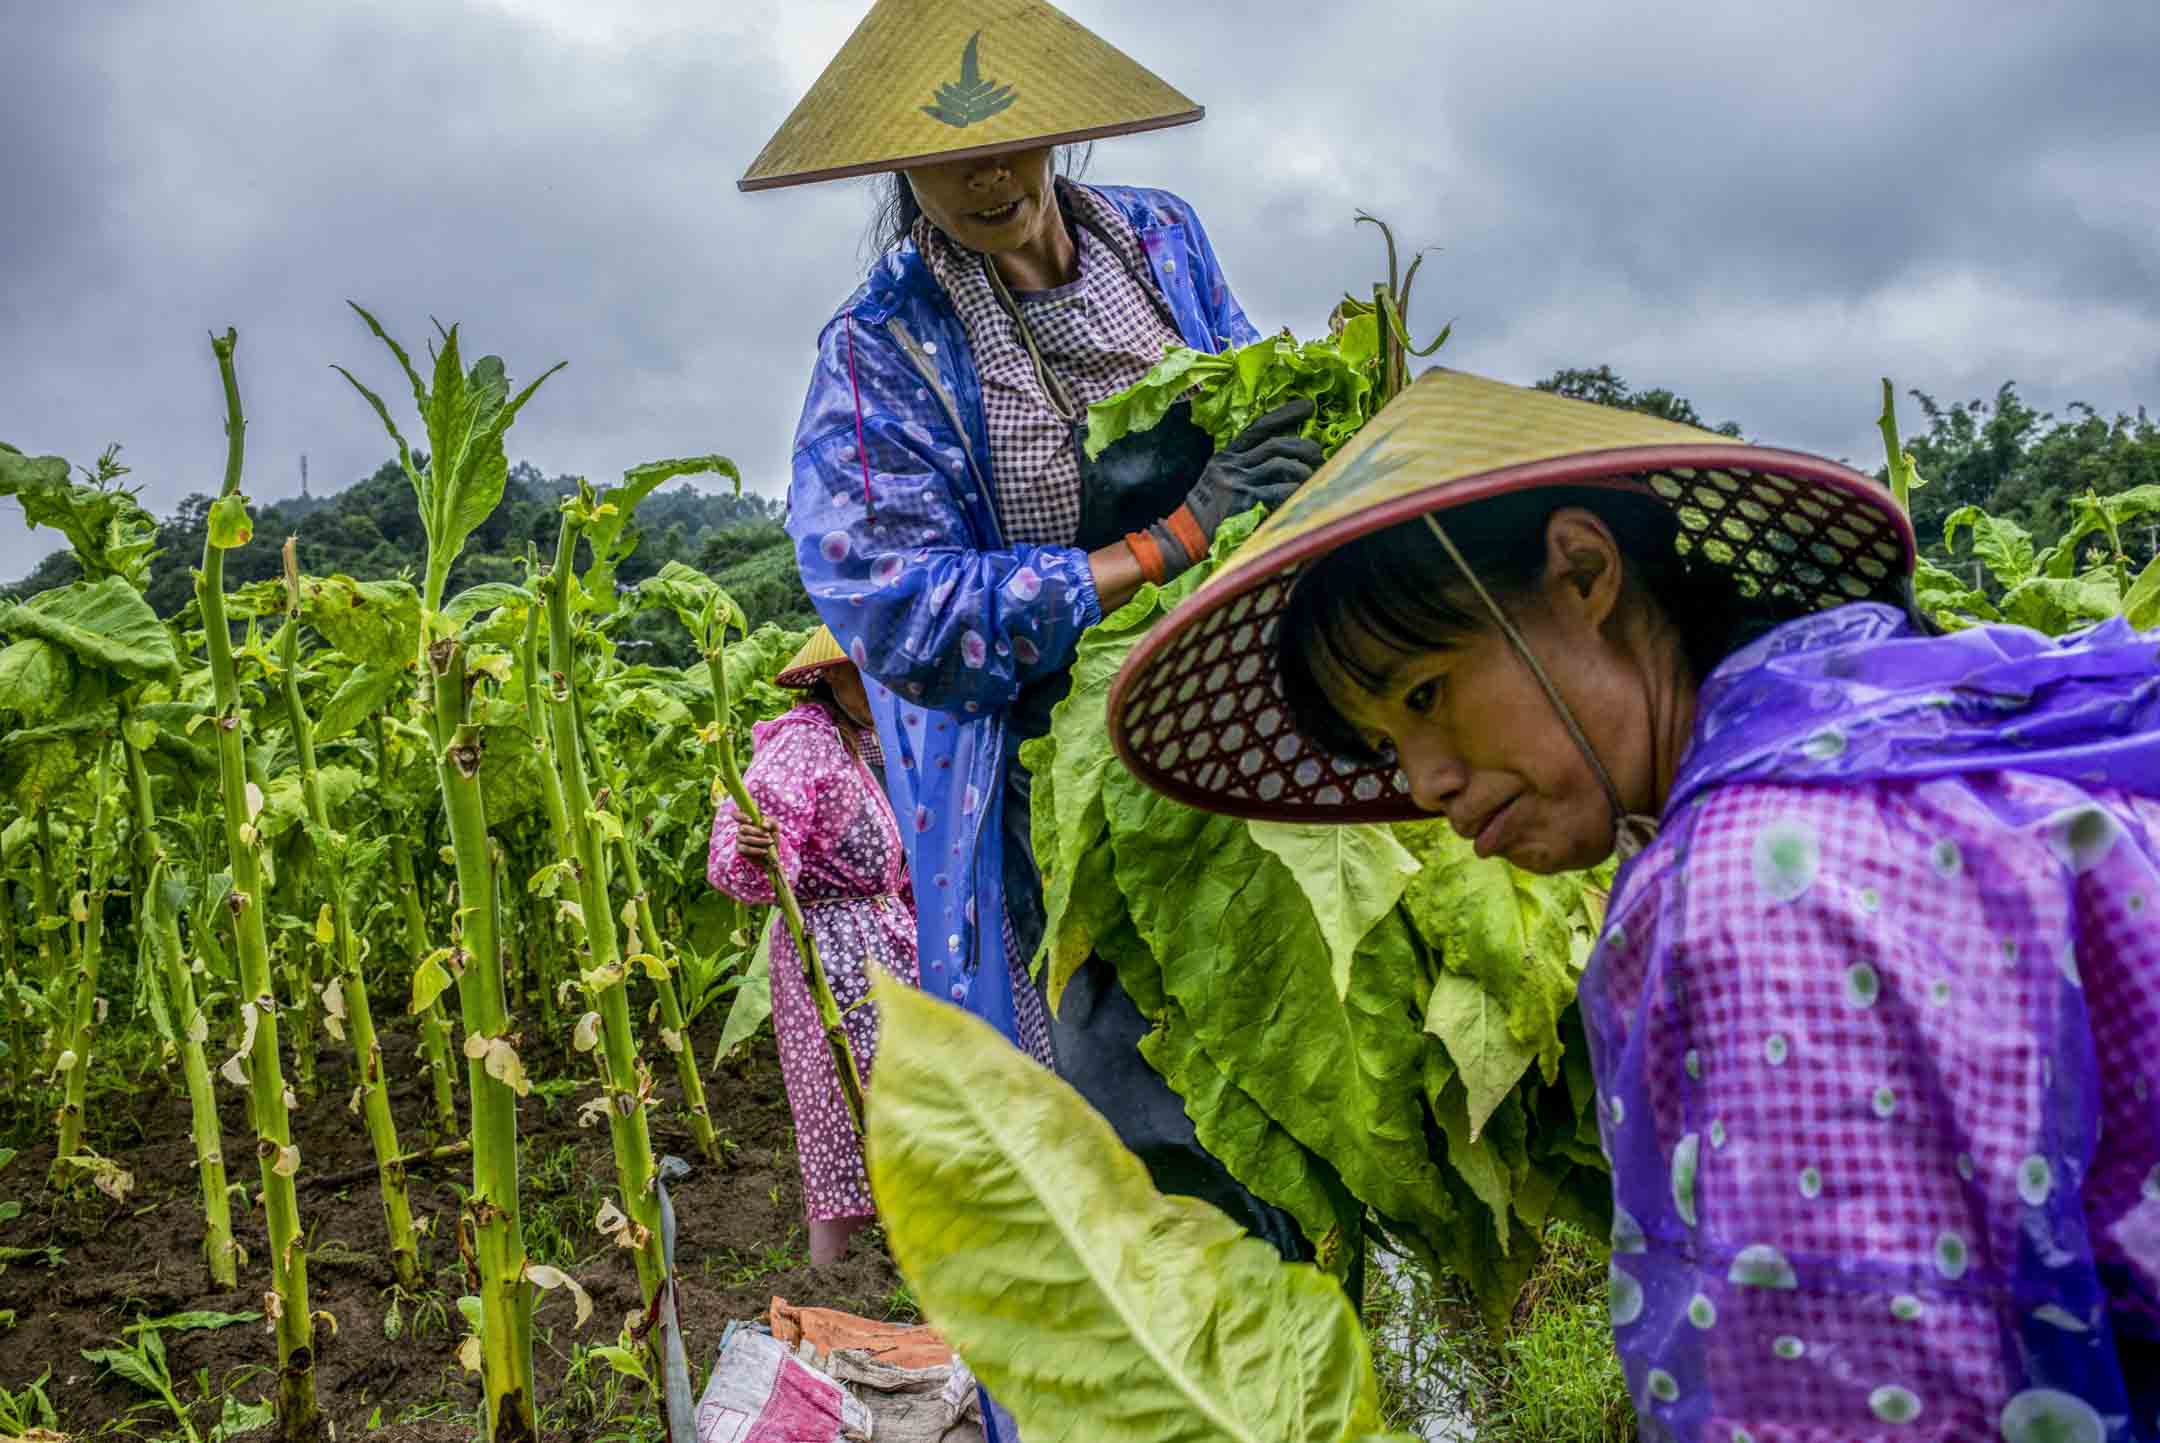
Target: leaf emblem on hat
962 102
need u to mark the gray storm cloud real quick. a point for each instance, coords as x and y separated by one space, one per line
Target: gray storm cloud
1764 208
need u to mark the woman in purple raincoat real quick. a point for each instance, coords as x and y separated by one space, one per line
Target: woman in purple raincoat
817 777
1875 1019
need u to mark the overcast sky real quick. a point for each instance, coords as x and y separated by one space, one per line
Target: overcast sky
1763 206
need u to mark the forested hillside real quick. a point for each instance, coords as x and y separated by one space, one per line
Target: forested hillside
370 530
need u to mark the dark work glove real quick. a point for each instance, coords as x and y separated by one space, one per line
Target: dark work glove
1261 466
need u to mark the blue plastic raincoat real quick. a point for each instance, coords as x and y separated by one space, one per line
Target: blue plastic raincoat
897 536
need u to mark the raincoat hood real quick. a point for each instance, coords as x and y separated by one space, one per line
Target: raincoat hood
1860 693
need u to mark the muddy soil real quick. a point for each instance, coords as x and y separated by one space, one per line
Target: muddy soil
388 1370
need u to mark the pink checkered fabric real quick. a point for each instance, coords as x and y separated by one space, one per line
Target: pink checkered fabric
1098 335
1913 1046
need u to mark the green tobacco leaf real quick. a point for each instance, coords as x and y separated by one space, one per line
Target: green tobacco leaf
373 622
2141 604
1474 1025
35 679
611 536
2105 515
40 765
1257 1150
509 773
102 624
1092 1306
1141 406
2003 546
1945 596
487 596
1513 933
108 530
1241 953
467 416
192 1322
1352 876
366 691
1474 1158
229 524
753 1001
2060 604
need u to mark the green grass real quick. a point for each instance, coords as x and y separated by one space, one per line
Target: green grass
1552 1379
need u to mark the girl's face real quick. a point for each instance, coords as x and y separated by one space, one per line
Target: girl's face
847 689
991 203
1476 736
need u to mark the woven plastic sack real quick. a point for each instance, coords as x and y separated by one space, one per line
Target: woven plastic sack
761 1393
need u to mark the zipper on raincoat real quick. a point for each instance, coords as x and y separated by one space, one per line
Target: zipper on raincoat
928 369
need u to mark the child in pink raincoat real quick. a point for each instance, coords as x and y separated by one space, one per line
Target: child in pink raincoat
817 778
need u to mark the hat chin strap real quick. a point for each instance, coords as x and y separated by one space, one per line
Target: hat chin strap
1632 831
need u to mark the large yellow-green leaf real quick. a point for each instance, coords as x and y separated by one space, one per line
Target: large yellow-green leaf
1092 1306
1241 952
39 765
1474 1025
103 624
753 1000
1259 1153
1352 876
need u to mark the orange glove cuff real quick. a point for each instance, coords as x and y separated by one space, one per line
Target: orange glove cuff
1149 555
1182 524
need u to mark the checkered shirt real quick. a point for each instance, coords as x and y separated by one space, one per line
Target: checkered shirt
1099 334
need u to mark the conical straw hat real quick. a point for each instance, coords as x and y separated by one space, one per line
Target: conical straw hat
1199 712
935 80
820 654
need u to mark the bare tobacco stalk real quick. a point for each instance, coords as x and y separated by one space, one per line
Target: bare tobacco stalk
359 1019
287 1301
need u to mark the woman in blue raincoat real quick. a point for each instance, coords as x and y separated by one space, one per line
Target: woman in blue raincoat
949 527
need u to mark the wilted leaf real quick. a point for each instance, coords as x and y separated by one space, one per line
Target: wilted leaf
547 1279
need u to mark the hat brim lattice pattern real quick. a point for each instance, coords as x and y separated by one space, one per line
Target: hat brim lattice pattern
1198 710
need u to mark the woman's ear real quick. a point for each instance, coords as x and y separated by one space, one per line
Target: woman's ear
1583 566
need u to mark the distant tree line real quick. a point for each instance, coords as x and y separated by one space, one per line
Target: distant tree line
1998 454
371 530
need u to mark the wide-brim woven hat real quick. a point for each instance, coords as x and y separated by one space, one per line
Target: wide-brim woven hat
1198 711
938 80
820 654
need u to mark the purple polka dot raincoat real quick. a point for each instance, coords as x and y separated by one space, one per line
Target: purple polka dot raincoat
1876 1028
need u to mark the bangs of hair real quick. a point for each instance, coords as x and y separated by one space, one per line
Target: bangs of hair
1397 591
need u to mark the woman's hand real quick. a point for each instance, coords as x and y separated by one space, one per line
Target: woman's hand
753 844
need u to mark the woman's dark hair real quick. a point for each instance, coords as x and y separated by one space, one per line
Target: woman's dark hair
1399 588
896 211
